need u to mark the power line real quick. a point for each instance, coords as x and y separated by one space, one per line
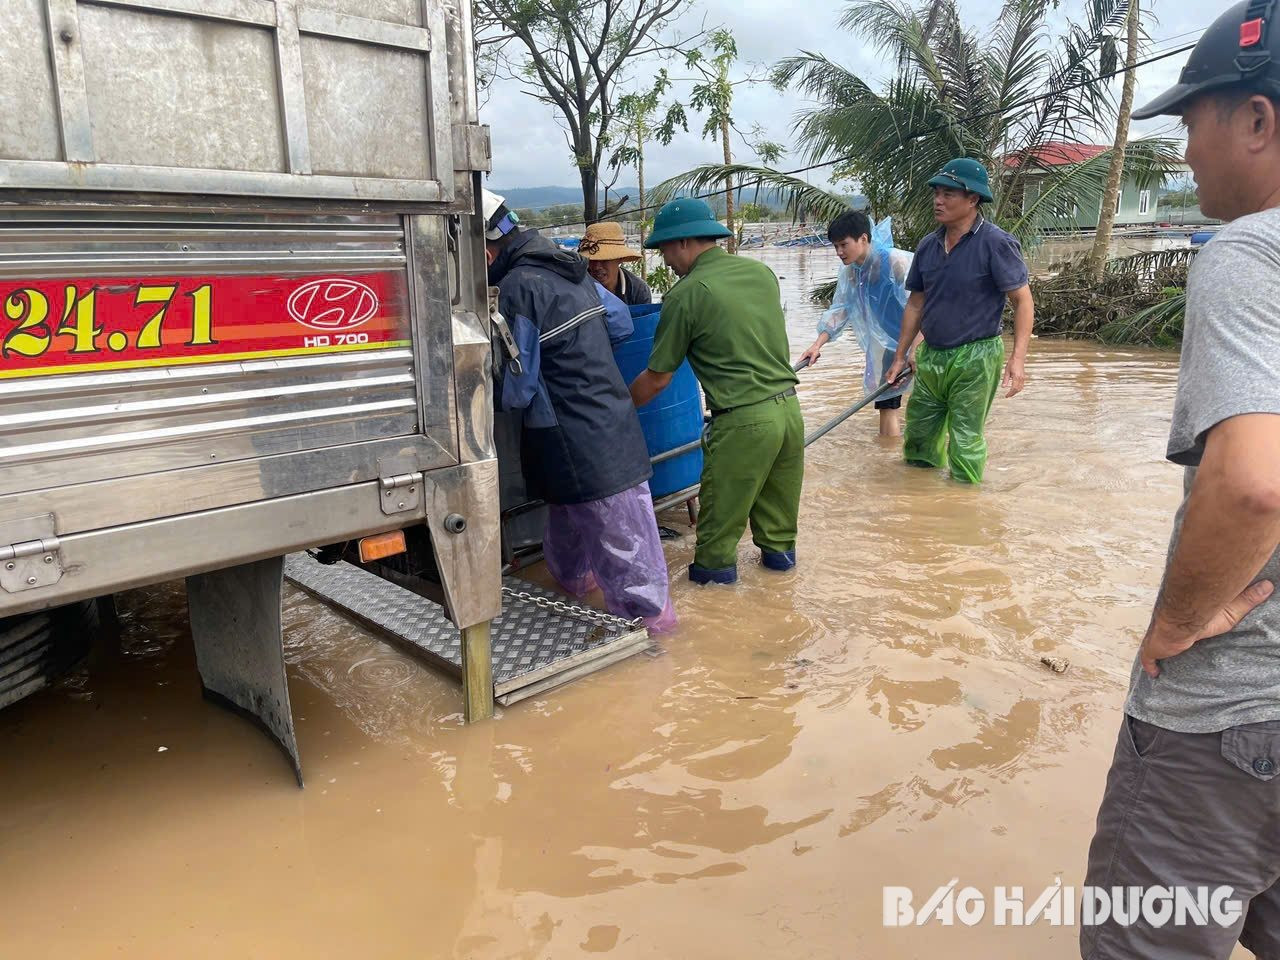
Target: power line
1156 44
1197 32
917 134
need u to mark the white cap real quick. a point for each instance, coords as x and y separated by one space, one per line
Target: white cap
491 204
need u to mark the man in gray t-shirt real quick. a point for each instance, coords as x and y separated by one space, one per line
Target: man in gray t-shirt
1192 798
1230 368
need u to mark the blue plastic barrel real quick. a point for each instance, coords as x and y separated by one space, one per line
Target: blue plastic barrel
674 417
1201 237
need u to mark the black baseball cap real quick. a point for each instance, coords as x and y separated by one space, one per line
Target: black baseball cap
1241 46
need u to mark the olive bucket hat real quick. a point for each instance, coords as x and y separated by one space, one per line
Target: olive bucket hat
684 219
1241 47
964 173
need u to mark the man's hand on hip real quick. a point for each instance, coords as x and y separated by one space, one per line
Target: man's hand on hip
1163 642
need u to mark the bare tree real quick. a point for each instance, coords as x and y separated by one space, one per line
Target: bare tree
573 55
1115 174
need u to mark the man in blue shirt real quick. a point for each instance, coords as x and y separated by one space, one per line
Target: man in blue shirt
960 278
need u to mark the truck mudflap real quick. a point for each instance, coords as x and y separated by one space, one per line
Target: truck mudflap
235 612
235 623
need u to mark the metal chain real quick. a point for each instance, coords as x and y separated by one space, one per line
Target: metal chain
570 610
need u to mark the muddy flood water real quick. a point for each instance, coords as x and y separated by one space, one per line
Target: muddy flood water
878 717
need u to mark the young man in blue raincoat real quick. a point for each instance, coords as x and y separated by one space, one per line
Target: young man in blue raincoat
870 296
581 447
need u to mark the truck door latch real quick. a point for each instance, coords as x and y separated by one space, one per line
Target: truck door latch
500 326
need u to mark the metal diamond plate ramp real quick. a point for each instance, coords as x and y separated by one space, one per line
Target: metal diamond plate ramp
539 642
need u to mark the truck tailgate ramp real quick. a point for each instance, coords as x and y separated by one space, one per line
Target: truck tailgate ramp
539 642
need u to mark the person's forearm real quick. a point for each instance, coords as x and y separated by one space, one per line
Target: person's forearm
910 334
823 339
1023 320
1228 533
647 386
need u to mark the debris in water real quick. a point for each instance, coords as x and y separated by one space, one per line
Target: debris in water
1056 664
161 749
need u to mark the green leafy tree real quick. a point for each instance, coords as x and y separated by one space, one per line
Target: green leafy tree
662 279
1181 197
753 213
643 119
768 152
575 55
712 94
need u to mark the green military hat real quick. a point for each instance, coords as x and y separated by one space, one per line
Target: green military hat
683 219
964 173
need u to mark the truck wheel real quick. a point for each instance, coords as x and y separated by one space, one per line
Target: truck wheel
37 648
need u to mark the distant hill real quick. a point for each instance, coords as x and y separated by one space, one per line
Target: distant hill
539 198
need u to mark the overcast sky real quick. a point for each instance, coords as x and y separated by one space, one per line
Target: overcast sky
529 148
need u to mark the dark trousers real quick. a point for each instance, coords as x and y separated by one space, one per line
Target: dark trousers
1193 810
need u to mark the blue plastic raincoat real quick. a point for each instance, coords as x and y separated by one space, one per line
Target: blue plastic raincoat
870 299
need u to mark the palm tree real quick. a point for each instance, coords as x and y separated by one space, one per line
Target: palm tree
1002 96
1107 215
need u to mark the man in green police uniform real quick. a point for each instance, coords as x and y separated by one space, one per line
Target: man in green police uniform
725 316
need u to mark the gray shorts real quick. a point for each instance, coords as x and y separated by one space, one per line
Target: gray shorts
1193 810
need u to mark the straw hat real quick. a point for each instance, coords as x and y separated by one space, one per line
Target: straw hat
604 241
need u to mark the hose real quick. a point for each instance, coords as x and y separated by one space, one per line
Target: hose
834 422
816 435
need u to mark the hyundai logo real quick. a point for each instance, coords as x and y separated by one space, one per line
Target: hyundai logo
332 304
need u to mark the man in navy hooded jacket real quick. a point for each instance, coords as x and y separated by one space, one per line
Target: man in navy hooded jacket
581 446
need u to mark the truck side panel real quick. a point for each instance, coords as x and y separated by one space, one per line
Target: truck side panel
232 97
324 364
312 349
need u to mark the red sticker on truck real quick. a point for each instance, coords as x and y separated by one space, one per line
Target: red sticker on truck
81 325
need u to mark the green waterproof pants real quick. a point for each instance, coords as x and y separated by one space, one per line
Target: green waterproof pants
752 472
952 397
